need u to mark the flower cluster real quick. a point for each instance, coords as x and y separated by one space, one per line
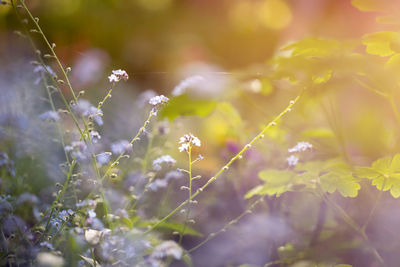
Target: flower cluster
166 159
83 108
300 147
166 249
121 147
42 70
292 160
103 158
78 150
50 115
157 100
188 140
117 75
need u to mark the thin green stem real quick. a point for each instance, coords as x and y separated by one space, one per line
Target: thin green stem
189 204
84 134
353 225
141 130
106 97
237 156
229 224
54 109
60 196
365 225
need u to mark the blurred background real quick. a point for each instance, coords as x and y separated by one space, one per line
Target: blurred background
154 40
230 43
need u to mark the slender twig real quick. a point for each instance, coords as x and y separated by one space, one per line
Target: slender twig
141 130
59 197
237 156
353 225
189 204
373 209
229 224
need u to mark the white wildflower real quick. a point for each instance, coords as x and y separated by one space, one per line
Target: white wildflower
188 140
113 78
92 236
292 160
49 259
166 249
300 147
160 99
117 75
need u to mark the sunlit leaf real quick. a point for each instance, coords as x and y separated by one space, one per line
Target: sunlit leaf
339 177
384 173
172 227
345 184
313 47
276 183
382 43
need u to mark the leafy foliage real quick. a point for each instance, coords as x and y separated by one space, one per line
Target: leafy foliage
384 173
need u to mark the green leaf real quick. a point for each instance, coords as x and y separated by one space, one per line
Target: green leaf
340 178
345 184
384 173
382 43
184 106
343 265
313 47
171 227
276 183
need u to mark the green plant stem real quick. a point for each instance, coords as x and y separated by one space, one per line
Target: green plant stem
60 197
54 109
353 225
141 130
85 137
189 204
106 97
229 224
364 227
237 156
